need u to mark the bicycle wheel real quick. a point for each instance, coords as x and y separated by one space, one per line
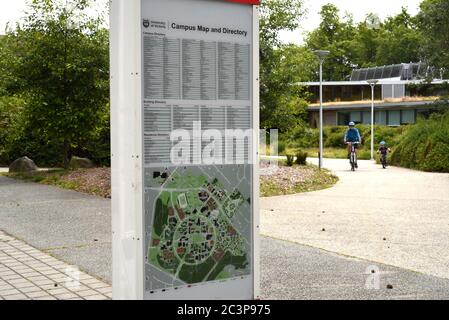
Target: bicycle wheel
352 161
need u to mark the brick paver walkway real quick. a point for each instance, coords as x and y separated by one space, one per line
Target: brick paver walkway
29 274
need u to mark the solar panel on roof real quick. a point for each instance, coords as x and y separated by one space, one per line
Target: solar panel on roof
355 75
370 73
396 71
362 76
387 72
404 71
378 73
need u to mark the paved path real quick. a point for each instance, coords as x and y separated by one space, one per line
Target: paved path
65 224
70 225
291 271
396 216
29 274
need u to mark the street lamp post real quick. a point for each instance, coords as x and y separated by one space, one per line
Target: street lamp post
372 83
321 54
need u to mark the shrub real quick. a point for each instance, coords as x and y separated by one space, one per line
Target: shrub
301 137
301 158
364 154
290 160
333 137
425 146
282 146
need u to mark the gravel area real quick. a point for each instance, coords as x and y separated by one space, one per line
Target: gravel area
285 180
95 181
280 180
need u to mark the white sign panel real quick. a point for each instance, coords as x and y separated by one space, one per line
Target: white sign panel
194 231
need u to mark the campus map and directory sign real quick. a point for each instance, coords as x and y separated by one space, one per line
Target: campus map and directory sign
198 113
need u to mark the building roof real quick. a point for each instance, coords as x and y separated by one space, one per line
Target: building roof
377 106
364 83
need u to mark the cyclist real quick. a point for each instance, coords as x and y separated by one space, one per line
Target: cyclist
383 151
352 136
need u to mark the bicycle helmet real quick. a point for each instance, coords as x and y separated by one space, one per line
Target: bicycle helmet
351 124
382 143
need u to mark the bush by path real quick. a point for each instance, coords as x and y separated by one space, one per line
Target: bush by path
425 146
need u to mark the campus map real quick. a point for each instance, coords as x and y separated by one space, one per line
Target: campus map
198 226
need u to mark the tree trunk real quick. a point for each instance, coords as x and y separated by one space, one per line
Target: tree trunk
66 154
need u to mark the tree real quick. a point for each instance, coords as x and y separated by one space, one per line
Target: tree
284 101
57 60
281 105
399 40
369 43
333 35
433 23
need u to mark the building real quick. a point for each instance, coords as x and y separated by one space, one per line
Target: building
404 92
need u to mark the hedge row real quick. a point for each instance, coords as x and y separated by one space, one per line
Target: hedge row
333 136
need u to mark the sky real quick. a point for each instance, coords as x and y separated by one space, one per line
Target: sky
358 8
12 10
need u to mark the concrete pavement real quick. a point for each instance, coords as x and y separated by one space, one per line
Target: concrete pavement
295 272
75 228
397 217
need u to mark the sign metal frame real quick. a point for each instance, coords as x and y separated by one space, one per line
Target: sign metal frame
128 247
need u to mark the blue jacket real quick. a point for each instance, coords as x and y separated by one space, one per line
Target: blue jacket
352 135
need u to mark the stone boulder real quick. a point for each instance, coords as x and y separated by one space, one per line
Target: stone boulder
23 164
81 163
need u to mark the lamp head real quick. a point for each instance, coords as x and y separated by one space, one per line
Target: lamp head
372 82
321 53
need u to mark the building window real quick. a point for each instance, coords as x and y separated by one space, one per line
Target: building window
366 117
407 116
394 118
356 116
381 117
343 118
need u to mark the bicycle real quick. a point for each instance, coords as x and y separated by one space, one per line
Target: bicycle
353 155
383 157
383 160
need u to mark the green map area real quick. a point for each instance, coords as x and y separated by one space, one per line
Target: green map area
193 238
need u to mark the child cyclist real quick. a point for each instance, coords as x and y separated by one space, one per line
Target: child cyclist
383 152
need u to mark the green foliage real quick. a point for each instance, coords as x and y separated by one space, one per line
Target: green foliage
333 35
425 146
301 137
282 145
10 110
398 38
301 158
290 160
57 60
333 136
282 104
308 139
433 23
370 43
